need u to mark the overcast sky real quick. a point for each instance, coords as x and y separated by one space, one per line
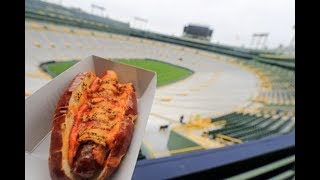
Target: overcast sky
233 21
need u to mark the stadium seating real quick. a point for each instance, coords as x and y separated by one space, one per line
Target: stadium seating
252 127
281 84
276 83
276 97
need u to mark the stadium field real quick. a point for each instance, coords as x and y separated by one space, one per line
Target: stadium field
56 68
166 73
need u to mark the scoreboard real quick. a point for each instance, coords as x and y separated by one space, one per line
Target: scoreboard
197 32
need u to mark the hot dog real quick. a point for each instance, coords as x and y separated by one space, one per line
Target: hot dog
92 127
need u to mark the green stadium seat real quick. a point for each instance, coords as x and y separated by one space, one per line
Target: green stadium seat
239 125
224 116
257 128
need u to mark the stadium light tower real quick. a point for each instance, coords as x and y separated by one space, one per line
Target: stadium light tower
259 38
258 41
292 42
252 40
291 47
94 6
140 22
255 40
265 37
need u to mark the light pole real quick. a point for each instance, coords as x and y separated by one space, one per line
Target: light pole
140 21
93 6
292 42
257 39
252 40
265 35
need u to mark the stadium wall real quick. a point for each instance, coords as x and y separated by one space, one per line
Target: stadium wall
288 64
177 141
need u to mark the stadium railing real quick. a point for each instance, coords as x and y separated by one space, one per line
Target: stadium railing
218 163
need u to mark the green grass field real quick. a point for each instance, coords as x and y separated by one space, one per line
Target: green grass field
58 67
166 73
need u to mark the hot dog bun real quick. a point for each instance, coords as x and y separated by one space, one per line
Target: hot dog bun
92 127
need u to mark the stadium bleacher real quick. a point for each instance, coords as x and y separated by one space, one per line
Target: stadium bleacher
275 116
246 127
277 86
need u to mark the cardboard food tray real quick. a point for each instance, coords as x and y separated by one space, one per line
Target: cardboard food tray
40 107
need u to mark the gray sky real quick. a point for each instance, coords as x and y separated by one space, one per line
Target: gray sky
233 21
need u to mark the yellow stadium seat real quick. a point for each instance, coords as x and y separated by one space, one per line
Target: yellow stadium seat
37 44
166 99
